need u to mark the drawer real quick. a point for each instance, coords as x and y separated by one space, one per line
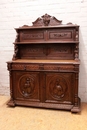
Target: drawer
31 35
59 67
43 67
25 67
61 35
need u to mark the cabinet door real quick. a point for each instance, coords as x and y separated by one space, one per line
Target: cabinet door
26 86
59 87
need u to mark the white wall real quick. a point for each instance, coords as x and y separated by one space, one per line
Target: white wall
15 13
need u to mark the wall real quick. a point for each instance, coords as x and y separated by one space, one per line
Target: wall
15 13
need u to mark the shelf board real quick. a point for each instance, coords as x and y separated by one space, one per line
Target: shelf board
45 42
47 27
46 61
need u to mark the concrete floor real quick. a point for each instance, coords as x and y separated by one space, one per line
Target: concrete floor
25 118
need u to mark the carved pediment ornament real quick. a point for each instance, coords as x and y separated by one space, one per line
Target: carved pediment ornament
46 20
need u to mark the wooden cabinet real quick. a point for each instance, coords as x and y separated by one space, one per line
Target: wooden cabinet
44 70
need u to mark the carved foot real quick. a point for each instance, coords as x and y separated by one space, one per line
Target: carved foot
76 109
11 103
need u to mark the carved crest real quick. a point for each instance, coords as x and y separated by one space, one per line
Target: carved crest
46 20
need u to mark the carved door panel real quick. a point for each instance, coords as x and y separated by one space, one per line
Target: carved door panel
26 86
59 88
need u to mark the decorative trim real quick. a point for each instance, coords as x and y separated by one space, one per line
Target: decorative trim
24 67
46 20
77 34
15 56
56 67
9 66
17 37
76 52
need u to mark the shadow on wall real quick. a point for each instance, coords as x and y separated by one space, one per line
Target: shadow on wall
83 69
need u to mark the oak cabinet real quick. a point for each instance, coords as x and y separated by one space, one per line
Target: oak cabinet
44 70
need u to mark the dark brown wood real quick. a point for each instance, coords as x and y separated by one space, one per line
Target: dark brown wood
46 20
44 70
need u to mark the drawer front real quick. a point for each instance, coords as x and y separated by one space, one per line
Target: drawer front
33 35
58 35
59 67
43 67
25 67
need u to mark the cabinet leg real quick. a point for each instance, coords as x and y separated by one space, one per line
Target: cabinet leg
11 103
77 108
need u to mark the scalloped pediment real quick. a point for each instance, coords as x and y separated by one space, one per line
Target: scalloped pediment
46 20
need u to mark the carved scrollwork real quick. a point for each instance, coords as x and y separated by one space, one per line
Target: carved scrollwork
46 20
25 26
15 56
69 23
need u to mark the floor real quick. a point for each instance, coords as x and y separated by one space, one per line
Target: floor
25 118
